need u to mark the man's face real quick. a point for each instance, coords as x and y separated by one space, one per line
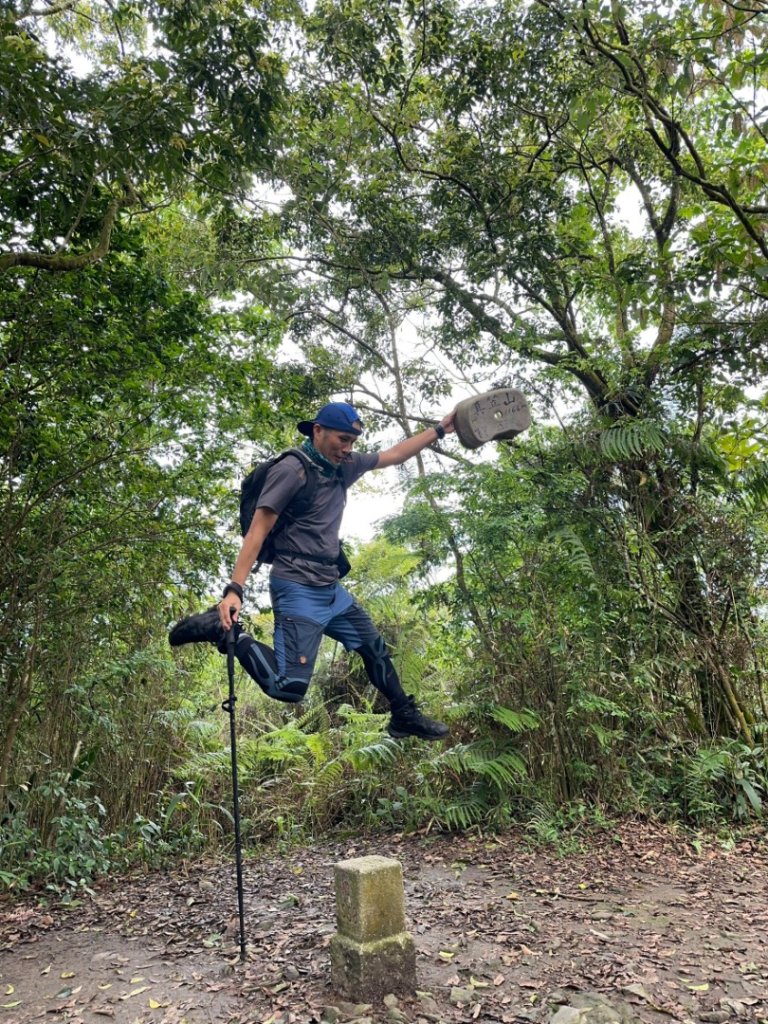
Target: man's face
335 445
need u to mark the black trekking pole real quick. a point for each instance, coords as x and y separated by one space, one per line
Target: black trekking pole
229 706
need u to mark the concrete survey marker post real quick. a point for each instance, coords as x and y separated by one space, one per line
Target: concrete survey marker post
495 416
372 955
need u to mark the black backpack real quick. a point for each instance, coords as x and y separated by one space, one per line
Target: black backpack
250 490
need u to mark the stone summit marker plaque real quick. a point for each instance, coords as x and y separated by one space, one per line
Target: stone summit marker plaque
495 416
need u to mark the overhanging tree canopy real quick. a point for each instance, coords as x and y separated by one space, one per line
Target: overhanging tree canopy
108 108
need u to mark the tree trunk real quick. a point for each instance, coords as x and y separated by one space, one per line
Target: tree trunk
19 687
673 534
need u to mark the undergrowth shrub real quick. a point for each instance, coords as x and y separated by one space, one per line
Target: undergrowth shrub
54 835
705 784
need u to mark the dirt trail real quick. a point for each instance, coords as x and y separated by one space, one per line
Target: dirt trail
503 934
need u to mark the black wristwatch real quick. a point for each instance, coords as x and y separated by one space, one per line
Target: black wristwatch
234 588
440 431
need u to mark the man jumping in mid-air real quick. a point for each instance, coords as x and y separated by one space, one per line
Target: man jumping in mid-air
307 598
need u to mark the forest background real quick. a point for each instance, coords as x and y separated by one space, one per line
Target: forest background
215 216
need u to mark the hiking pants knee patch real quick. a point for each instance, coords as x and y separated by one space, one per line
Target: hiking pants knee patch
381 671
260 663
376 658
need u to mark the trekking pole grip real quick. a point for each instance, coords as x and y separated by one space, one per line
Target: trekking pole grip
231 637
231 659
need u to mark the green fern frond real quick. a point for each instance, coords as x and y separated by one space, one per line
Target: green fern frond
206 764
358 722
504 768
186 722
452 759
516 721
458 814
753 487
374 755
323 787
274 748
315 718
570 542
632 439
319 745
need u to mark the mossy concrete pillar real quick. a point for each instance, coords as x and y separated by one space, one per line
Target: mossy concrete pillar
371 954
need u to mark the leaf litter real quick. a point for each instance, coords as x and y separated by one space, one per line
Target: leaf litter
503 933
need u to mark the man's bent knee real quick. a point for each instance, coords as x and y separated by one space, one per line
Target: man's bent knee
260 663
290 691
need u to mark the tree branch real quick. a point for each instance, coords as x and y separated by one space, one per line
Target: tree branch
58 262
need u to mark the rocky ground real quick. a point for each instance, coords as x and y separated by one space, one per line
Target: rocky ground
638 925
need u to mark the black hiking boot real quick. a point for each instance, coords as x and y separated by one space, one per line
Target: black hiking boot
202 628
407 720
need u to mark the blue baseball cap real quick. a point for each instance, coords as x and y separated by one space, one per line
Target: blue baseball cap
334 416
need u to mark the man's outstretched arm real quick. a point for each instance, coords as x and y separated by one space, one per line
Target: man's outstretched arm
261 524
404 450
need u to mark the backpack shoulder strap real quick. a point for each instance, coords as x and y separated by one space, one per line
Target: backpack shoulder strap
304 496
312 471
302 456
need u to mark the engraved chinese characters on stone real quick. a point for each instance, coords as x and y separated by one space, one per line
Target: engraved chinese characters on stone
495 416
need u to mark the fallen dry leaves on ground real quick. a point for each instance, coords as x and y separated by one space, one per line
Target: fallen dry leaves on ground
503 933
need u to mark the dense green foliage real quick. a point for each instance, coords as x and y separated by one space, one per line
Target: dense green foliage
106 109
425 199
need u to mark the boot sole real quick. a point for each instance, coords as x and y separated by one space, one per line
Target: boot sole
184 633
397 735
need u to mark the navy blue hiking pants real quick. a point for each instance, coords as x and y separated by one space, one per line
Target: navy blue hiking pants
303 615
